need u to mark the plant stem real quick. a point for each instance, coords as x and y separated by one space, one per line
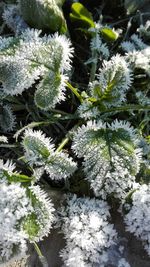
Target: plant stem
94 66
62 144
74 90
126 19
41 257
66 139
126 108
8 146
94 57
37 249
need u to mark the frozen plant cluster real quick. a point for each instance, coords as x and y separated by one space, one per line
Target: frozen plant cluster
41 152
34 72
14 206
109 88
27 214
87 231
113 78
138 217
137 53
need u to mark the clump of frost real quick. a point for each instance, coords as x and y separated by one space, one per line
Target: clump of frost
87 231
138 217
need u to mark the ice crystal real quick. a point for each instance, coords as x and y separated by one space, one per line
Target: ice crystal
87 231
3 139
111 156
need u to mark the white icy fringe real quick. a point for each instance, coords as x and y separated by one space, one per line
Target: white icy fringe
111 156
40 151
87 231
3 139
27 214
138 217
7 167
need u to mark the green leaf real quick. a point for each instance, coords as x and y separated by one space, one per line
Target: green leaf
31 226
17 177
46 14
108 34
81 15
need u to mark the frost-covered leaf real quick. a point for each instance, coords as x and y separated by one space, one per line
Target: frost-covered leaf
40 151
50 91
113 80
29 57
13 19
49 14
17 74
111 156
109 89
39 222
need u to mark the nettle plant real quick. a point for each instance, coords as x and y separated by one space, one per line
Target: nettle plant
107 145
